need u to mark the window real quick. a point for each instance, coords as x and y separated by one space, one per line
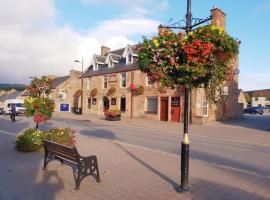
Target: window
113 101
95 66
123 80
89 103
62 94
149 82
151 105
256 98
129 58
105 82
89 84
205 108
267 99
110 63
123 105
94 101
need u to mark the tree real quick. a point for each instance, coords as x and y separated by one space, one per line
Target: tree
38 103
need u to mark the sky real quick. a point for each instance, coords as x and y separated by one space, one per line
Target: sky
44 37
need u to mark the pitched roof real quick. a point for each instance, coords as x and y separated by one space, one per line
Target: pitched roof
118 51
12 95
57 81
118 67
100 58
260 93
116 57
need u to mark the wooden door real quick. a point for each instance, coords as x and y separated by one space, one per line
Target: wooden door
164 109
175 109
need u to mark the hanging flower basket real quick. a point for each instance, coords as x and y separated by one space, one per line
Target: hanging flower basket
132 87
111 91
93 92
139 90
78 93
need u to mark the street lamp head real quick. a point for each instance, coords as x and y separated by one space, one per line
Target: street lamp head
77 61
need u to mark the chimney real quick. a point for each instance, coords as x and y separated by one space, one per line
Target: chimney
218 17
104 50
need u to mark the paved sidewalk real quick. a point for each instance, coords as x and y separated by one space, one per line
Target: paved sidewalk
127 172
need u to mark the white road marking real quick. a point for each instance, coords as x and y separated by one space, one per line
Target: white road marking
7 133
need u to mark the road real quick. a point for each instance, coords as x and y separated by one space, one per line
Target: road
241 145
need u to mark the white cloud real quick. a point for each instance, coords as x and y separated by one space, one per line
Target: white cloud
254 81
32 45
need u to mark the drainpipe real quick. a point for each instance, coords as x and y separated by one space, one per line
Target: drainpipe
131 95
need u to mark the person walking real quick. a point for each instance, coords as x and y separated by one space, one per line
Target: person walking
13 113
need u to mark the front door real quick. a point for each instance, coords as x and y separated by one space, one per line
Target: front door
175 109
106 103
164 109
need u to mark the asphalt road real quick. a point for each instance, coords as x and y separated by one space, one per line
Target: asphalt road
242 145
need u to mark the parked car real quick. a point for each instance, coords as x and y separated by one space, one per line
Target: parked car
253 110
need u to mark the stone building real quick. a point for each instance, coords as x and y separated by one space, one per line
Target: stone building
66 92
260 97
113 74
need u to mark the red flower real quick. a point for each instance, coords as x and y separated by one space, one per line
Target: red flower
132 87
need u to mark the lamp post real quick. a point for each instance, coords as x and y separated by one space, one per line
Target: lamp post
190 24
81 84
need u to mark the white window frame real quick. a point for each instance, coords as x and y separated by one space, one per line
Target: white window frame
129 62
62 94
111 64
205 105
121 79
89 84
103 81
95 66
146 103
147 81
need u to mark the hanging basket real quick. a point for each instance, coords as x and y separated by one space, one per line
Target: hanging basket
93 92
111 91
78 93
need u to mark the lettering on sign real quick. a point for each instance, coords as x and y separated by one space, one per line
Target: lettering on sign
112 79
175 101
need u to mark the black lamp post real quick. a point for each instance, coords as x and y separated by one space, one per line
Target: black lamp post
190 23
81 84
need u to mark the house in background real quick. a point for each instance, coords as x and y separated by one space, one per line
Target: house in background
11 94
242 99
66 91
260 97
112 74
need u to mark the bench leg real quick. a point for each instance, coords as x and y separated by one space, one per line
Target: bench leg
45 162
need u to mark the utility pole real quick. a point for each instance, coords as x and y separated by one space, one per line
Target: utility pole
190 23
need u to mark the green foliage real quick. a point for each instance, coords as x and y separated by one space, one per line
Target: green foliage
203 57
40 86
31 140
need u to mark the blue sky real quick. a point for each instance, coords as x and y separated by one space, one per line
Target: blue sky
45 36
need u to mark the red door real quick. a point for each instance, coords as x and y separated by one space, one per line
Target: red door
164 109
175 109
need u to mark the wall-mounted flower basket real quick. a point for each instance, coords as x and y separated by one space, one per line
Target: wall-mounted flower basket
139 90
78 93
111 91
132 87
93 92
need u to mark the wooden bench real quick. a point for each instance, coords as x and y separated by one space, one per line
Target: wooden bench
82 166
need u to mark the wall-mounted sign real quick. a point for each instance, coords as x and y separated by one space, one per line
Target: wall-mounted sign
175 101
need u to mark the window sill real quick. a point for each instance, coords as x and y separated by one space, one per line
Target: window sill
150 113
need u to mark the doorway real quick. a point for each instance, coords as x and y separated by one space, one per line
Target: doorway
164 108
175 109
106 103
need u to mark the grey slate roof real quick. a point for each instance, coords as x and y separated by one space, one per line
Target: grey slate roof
59 80
100 58
116 57
118 51
13 95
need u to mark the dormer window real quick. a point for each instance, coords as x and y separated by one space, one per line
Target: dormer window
95 66
129 58
111 63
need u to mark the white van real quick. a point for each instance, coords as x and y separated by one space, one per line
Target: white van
20 109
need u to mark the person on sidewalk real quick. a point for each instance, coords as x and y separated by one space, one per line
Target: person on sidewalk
13 113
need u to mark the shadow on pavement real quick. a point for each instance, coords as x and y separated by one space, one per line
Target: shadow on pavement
99 133
152 169
259 122
204 189
22 176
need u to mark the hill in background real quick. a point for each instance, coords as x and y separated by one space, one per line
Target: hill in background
18 87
